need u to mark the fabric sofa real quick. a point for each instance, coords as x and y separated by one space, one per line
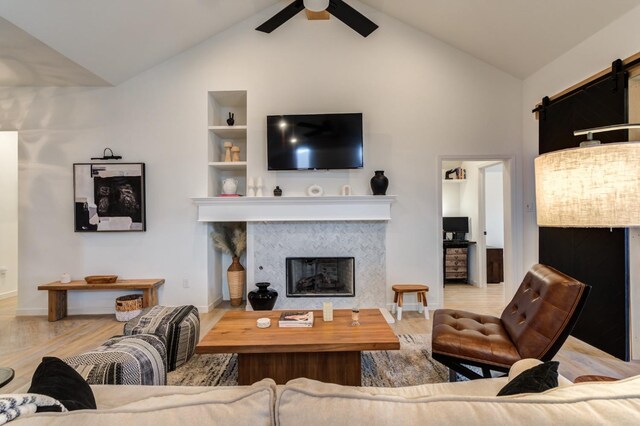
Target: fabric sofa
309 402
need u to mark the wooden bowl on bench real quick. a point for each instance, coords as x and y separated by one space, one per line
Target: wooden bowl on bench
101 279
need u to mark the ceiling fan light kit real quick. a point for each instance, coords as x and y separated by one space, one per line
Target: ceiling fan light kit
338 8
316 5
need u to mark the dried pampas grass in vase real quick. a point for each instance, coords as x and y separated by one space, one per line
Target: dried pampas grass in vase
231 239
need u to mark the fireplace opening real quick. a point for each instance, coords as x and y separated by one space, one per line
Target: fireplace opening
321 277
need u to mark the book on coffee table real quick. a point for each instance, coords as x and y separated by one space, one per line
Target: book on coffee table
296 319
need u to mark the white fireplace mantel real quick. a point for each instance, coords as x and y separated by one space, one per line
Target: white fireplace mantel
294 209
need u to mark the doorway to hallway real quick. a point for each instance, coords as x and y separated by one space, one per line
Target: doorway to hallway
475 212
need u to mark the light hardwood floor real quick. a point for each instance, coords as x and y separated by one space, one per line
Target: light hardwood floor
25 340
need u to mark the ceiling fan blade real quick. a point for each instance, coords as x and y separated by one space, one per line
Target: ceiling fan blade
347 14
281 17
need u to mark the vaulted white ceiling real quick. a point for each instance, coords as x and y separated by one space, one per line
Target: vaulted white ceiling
516 36
117 39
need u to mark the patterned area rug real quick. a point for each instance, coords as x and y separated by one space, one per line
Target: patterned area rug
411 365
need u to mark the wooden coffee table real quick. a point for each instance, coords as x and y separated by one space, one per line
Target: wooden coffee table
328 351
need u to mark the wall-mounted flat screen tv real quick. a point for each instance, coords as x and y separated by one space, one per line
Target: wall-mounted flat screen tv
314 141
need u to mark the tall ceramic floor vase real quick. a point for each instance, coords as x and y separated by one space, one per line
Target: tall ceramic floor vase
235 280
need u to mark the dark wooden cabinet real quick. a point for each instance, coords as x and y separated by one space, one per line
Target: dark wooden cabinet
456 261
495 267
455 264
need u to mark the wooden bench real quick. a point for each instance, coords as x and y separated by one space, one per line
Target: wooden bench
58 292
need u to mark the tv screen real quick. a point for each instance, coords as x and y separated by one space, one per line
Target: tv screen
455 224
314 141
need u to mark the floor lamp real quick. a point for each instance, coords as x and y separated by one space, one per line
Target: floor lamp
592 186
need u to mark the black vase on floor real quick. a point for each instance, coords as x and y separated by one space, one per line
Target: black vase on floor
379 183
264 298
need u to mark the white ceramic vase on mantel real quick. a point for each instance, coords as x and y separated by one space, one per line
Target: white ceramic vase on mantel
229 186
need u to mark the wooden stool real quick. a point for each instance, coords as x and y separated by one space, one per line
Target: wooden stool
400 289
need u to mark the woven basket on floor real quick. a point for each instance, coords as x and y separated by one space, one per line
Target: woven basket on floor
128 307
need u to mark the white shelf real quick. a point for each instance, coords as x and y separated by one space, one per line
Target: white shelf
454 180
233 165
230 132
295 209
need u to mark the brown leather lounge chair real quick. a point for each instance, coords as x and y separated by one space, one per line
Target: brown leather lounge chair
534 324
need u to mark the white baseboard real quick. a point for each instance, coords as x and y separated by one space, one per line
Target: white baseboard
8 294
27 312
409 307
101 310
387 316
210 306
218 301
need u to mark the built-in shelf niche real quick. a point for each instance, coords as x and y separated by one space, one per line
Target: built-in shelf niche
234 165
221 103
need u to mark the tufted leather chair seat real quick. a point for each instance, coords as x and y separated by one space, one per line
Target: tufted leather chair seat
534 324
471 336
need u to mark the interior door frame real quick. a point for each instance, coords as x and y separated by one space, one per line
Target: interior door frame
482 217
12 268
509 207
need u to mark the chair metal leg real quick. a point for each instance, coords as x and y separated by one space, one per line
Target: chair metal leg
486 372
460 366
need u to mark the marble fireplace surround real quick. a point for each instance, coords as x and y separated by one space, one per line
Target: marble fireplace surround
273 242
327 226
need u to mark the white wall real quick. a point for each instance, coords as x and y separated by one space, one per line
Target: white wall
494 206
451 198
8 214
620 39
450 190
414 92
469 206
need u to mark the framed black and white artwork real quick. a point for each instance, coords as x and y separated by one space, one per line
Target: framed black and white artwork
109 197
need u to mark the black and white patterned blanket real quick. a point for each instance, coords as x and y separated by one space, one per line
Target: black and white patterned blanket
12 406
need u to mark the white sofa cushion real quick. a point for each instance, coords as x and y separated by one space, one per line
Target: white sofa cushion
314 403
154 405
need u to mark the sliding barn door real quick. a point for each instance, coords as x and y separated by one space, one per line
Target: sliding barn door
598 257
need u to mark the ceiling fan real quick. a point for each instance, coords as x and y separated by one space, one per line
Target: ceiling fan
320 9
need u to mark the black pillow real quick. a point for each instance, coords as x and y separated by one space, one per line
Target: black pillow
56 379
536 379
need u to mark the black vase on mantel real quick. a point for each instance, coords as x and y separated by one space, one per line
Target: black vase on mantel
379 183
263 299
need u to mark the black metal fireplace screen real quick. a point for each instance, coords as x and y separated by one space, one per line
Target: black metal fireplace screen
321 277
